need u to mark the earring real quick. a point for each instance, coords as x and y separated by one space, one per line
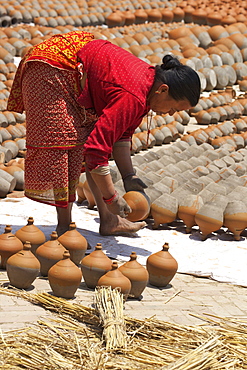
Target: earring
157 92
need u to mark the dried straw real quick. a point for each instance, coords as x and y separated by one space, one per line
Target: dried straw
110 304
72 340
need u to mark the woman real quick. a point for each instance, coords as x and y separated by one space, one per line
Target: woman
83 100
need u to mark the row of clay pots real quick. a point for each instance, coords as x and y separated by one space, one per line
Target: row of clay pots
132 12
11 177
210 62
221 102
223 168
181 170
25 260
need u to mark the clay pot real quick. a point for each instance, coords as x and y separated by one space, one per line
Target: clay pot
141 16
23 268
31 233
161 267
187 209
202 117
167 15
154 15
178 14
94 266
49 253
115 19
129 17
217 32
115 279
164 210
9 245
209 218
188 10
137 274
139 204
18 174
213 18
199 16
75 243
235 217
64 277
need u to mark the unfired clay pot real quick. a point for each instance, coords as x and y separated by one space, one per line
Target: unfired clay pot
49 253
116 279
209 218
31 233
161 267
187 209
139 204
164 210
235 217
75 243
94 266
64 277
137 274
9 245
23 268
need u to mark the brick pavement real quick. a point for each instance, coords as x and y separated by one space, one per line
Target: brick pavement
177 303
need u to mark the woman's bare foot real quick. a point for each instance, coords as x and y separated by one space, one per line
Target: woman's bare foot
117 225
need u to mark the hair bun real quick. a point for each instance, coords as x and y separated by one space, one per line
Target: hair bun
170 62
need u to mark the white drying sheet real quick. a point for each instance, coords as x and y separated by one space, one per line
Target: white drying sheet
219 257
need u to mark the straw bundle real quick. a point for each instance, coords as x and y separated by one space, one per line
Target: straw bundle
72 340
109 303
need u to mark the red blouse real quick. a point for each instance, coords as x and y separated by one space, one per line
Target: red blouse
117 87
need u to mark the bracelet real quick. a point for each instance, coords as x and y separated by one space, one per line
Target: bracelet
111 200
128 174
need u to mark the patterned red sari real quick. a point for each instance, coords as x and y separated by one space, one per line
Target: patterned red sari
47 87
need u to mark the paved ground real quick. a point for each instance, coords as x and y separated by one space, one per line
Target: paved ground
187 295
177 303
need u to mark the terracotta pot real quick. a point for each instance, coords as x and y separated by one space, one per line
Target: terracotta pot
199 16
9 245
94 266
164 210
115 19
64 277
209 218
137 274
18 174
75 243
161 267
115 279
167 15
139 204
31 233
187 209
141 16
154 15
235 217
49 253
217 32
178 14
23 268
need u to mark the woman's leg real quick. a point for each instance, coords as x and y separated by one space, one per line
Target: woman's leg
111 224
64 219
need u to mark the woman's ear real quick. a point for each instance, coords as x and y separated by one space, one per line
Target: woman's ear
164 88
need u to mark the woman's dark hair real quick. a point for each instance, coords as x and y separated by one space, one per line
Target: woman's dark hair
183 81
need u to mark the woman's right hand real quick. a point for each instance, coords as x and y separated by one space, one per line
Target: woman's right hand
119 207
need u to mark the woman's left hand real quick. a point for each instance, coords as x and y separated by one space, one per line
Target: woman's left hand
133 183
119 206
